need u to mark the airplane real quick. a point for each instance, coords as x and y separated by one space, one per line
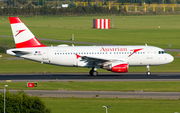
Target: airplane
112 58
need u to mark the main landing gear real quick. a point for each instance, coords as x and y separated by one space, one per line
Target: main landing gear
93 72
148 70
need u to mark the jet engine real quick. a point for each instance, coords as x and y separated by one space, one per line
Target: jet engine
118 67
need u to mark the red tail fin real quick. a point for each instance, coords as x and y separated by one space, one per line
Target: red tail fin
23 37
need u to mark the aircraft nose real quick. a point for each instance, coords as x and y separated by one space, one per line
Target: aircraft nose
170 58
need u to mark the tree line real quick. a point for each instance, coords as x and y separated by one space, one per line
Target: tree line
45 10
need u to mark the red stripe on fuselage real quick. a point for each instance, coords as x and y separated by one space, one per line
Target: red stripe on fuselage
14 20
30 43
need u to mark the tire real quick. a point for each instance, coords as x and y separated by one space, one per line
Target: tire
94 73
148 73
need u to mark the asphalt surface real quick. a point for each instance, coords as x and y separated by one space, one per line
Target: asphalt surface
174 50
94 94
101 77
66 41
87 77
101 94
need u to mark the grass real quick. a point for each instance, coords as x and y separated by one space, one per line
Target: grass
147 86
94 105
129 30
132 30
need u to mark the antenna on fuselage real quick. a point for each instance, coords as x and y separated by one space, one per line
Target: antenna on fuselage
145 44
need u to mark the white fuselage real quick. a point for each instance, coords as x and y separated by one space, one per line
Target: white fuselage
67 55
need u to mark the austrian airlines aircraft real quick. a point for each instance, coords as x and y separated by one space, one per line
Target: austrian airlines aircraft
112 58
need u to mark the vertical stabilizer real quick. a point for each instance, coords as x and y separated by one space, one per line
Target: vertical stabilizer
23 37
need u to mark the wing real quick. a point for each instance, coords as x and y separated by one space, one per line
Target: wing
94 59
97 60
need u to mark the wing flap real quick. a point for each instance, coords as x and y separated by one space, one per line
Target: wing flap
98 60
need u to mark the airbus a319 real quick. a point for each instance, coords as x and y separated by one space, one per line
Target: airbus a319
112 58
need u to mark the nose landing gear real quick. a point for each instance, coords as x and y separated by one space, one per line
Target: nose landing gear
148 70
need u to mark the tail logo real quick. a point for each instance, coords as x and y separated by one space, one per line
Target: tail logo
19 31
134 51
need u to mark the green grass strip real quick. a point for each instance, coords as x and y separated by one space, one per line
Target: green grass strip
157 86
94 105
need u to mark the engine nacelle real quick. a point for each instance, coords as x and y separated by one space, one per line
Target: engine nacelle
118 67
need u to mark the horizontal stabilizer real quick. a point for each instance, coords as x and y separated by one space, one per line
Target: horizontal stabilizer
21 52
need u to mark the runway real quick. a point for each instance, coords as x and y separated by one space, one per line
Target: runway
58 77
87 77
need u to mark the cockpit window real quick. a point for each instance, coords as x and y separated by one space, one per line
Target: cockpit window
162 52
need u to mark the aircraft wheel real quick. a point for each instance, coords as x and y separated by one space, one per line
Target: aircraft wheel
94 73
148 73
